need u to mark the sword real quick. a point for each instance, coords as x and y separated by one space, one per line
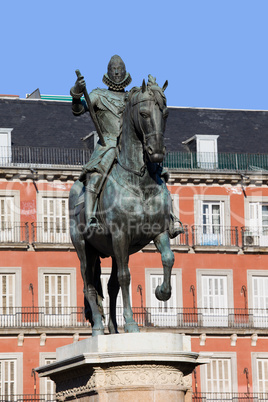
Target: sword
91 111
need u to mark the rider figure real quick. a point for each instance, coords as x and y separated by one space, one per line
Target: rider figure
108 105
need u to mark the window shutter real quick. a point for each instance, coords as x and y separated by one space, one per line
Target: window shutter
7 298
218 376
262 373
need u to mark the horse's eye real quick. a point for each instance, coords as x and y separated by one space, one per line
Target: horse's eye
144 115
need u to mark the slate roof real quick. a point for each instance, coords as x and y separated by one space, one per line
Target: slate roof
52 124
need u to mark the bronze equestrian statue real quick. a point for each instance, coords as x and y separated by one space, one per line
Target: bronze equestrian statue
123 174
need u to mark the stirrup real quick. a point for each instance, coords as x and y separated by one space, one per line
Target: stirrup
92 223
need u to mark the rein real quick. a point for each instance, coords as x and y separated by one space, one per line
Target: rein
140 173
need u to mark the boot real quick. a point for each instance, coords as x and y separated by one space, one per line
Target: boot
91 193
175 226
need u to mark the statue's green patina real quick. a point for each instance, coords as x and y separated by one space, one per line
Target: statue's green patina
134 205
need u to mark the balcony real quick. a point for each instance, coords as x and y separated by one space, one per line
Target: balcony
14 233
148 317
27 398
230 396
19 156
216 161
254 237
215 236
50 233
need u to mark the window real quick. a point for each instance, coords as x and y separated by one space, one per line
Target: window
258 297
206 149
47 386
9 216
215 296
10 374
10 296
57 296
260 372
220 375
5 146
258 224
212 217
53 217
163 313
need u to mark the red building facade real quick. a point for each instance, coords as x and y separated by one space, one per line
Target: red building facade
219 278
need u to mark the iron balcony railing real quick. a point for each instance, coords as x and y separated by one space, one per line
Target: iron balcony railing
230 396
50 232
39 156
214 235
216 161
254 236
14 232
173 317
27 398
20 156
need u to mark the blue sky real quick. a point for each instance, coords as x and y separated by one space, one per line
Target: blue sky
213 52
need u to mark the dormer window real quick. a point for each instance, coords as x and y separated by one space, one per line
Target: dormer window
5 145
206 149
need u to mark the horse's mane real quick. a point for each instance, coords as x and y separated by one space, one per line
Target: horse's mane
153 90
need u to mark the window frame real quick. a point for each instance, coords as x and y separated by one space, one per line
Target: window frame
218 356
254 358
18 356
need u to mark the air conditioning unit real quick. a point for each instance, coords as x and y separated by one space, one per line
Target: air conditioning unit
249 240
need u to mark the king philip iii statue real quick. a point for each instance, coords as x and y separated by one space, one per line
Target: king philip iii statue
106 107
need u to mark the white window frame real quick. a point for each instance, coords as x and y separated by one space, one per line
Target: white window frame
43 356
256 237
56 194
224 202
18 357
171 319
51 319
9 233
261 317
6 154
255 356
223 314
233 362
8 319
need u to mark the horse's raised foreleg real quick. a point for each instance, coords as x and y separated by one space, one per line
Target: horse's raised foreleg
113 290
120 248
163 292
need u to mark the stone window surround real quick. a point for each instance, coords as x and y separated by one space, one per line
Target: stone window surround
48 194
57 271
42 361
248 200
19 372
250 274
254 357
159 271
222 355
211 198
215 272
16 195
17 272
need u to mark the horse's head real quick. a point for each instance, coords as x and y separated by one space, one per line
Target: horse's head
149 113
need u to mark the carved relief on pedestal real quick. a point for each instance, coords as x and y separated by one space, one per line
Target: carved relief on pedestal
150 375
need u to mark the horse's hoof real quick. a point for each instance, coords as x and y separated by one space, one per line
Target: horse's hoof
96 332
160 295
131 327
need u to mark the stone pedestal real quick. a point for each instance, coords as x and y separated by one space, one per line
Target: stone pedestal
149 367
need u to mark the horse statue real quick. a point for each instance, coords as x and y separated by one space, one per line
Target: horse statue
134 208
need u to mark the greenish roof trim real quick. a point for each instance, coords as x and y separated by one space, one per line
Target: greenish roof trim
64 98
